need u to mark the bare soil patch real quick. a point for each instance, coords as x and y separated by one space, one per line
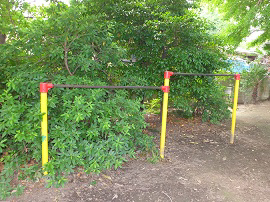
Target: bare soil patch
200 165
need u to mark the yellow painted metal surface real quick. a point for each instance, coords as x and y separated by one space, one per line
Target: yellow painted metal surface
236 90
44 128
164 120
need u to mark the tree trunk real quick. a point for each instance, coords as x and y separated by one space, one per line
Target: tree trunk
2 38
142 102
255 93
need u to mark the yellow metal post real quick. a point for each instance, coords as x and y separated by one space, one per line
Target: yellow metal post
44 123
165 89
44 128
235 101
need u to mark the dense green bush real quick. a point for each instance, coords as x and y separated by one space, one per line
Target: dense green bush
161 38
84 44
94 128
251 79
204 97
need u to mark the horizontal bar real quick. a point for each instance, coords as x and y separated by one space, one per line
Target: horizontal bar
107 87
194 74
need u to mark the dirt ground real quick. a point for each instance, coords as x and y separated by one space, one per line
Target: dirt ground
199 165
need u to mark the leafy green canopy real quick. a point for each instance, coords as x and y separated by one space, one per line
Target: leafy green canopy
65 40
245 16
12 15
84 44
169 36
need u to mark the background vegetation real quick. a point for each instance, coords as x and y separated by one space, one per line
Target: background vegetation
85 43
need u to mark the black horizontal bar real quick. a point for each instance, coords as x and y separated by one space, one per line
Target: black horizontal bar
194 74
106 87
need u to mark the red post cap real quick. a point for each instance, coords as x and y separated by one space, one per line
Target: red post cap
237 76
167 74
165 89
44 87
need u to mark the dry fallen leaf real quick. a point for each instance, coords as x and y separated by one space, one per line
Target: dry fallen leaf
107 177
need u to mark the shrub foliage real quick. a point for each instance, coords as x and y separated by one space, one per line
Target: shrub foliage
84 44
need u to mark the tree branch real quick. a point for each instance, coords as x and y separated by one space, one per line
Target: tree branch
9 14
66 57
256 30
75 69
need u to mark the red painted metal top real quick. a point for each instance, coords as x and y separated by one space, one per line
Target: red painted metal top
167 74
44 87
237 76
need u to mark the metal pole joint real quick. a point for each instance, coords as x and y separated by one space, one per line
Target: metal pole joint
44 87
237 76
165 89
168 74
